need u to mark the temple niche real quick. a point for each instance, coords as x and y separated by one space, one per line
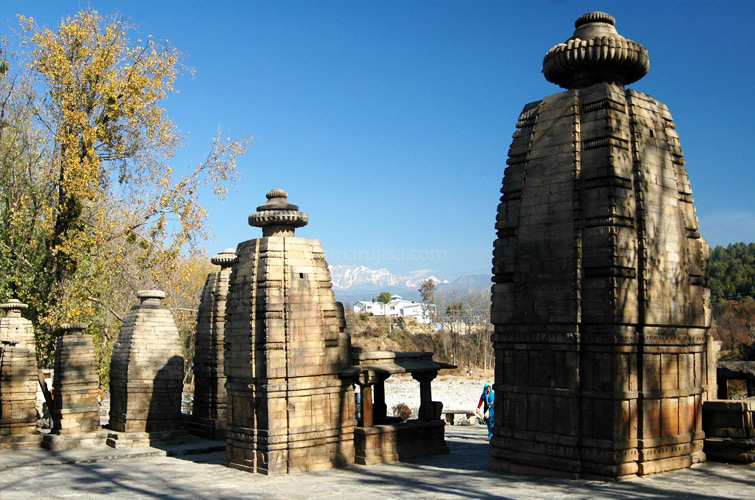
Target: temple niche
600 305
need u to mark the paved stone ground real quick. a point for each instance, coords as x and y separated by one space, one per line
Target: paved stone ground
96 474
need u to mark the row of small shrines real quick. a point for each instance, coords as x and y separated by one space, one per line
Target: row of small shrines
145 387
273 369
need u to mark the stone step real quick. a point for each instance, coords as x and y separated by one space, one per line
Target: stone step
20 441
141 439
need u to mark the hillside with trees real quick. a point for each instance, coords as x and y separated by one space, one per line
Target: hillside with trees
732 272
732 287
464 337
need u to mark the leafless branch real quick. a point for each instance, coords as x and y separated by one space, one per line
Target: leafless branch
110 309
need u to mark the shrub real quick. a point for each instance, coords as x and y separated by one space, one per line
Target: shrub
403 411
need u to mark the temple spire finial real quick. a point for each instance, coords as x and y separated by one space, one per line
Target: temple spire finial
278 217
595 53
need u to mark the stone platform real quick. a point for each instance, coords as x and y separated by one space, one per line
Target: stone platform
20 441
382 444
730 430
68 441
141 439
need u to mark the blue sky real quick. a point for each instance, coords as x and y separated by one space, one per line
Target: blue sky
389 122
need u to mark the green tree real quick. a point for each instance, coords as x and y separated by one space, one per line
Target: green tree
384 297
427 292
732 272
89 168
456 310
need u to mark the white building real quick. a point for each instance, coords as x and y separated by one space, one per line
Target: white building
396 307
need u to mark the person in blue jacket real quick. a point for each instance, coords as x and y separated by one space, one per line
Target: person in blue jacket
488 399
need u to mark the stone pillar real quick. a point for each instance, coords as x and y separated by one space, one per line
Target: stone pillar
599 301
379 407
75 384
368 414
426 405
288 409
18 379
146 372
209 414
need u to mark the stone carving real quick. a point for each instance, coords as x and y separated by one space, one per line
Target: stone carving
75 390
18 379
288 409
600 307
596 53
146 372
209 414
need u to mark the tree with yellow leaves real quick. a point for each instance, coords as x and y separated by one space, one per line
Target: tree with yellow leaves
109 212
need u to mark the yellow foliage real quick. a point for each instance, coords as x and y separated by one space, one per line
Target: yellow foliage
117 217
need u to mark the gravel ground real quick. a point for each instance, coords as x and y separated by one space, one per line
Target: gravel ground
456 393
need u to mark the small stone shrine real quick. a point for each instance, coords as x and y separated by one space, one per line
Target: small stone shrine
288 409
381 439
600 305
209 415
75 390
146 376
18 379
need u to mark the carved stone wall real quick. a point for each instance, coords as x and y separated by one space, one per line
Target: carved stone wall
288 409
730 430
599 302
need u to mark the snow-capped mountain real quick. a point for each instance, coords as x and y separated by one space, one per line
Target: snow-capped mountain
352 277
354 283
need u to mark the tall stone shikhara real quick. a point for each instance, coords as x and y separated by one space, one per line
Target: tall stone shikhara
209 414
599 300
288 409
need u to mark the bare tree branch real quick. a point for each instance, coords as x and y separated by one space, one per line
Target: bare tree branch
98 301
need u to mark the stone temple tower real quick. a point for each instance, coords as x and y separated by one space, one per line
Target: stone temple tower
209 415
600 308
146 374
288 409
